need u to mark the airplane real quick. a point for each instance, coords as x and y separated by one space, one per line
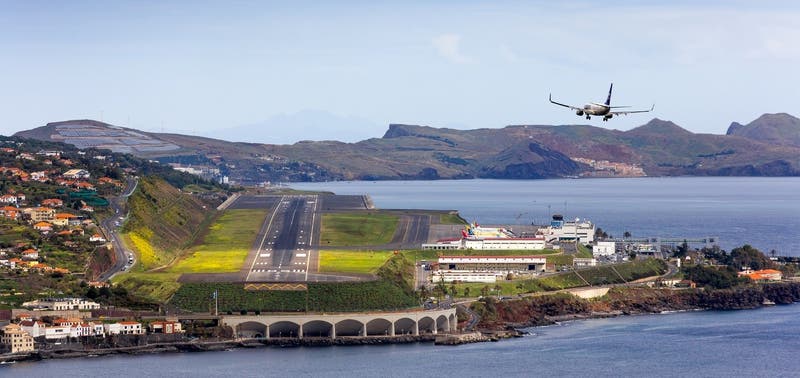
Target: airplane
595 109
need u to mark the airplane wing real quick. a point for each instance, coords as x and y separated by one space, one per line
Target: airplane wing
634 111
564 105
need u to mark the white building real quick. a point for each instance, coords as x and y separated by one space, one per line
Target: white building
504 243
60 304
603 248
497 264
124 328
584 261
560 230
464 276
60 332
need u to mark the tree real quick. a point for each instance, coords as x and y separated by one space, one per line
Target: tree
682 250
749 257
466 291
626 235
91 293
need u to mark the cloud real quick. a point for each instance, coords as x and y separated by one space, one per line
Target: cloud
449 47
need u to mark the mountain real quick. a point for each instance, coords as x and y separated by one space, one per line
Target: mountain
404 152
780 128
316 125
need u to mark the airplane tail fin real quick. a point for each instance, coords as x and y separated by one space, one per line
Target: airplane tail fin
608 100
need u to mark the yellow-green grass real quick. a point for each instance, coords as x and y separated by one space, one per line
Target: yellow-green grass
354 229
148 256
451 219
226 245
352 261
155 287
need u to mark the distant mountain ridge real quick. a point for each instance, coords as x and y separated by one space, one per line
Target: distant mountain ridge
768 146
780 128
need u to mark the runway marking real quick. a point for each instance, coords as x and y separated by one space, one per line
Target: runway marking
266 231
300 255
264 255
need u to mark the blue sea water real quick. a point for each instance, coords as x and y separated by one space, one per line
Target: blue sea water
754 343
763 212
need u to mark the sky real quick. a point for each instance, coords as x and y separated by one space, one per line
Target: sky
280 72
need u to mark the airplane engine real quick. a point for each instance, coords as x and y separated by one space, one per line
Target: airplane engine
579 112
607 117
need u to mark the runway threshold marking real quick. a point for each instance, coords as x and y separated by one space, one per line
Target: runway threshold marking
261 244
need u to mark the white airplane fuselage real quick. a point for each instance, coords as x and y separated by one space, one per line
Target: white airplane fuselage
594 109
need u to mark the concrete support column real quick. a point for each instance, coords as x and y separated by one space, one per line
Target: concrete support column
416 328
435 328
391 329
300 332
333 331
266 333
363 329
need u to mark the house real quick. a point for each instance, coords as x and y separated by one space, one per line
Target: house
8 198
84 185
87 208
62 219
67 322
97 238
60 332
131 328
763 275
124 328
39 214
34 327
43 226
53 202
59 304
10 212
91 329
166 327
76 174
30 254
40 176
16 339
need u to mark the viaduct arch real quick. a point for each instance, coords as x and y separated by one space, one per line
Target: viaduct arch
342 325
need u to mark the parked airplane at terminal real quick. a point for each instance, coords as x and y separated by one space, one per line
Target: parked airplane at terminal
595 109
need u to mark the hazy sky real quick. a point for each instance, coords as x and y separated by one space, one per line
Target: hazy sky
200 67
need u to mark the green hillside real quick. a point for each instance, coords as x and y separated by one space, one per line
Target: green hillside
163 222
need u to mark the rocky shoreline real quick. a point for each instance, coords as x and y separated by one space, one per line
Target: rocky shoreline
499 319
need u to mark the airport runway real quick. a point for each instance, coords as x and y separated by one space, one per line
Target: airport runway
282 251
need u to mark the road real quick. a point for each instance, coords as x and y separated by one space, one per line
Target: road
109 228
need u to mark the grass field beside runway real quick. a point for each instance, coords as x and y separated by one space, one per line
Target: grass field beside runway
354 229
366 262
225 247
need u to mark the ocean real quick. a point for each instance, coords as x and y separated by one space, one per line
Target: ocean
762 212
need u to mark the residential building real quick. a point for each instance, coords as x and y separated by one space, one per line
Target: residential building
39 214
60 332
166 327
97 238
62 304
52 202
43 226
30 254
76 174
34 327
763 275
16 339
584 261
124 328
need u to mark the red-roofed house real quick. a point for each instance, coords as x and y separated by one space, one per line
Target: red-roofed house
52 202
764 275
30 254
43 227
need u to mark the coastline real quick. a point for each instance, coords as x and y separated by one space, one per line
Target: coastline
511 319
